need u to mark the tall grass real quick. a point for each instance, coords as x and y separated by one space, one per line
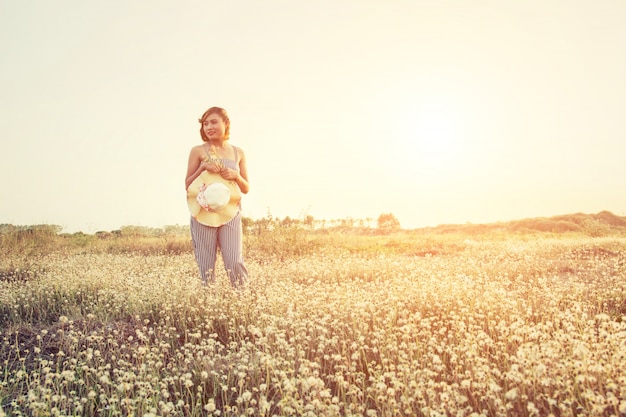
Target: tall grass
335 324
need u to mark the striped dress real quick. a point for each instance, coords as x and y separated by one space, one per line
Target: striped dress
228 238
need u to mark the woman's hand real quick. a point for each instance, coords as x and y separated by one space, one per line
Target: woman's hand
229 174
210 167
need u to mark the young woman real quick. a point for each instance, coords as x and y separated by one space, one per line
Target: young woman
216 161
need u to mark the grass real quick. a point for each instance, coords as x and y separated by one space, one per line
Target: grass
437 322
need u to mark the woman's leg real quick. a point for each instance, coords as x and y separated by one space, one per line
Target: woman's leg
231 246
205 248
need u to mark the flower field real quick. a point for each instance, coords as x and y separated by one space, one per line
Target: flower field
509 326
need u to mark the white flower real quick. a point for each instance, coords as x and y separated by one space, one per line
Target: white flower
210 406
511 394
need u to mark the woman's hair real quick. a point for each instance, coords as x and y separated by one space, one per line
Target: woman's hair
221 113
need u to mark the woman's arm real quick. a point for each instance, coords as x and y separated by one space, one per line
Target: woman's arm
242 181
194 167
241 177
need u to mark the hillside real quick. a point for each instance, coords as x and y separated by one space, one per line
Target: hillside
599 224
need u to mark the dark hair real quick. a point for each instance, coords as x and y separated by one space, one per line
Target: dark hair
221 113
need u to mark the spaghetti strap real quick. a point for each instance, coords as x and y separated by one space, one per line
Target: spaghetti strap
235 148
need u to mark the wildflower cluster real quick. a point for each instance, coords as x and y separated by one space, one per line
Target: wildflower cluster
509 327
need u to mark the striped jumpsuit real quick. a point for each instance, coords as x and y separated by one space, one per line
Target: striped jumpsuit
229 239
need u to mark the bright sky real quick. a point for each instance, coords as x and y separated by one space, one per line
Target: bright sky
440 111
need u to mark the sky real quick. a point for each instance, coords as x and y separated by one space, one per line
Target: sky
439 112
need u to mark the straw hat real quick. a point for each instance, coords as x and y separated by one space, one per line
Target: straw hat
213 200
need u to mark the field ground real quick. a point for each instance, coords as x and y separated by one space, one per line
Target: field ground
501 320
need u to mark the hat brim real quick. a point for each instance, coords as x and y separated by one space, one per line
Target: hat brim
213 218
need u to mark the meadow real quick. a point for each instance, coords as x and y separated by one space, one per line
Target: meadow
525 318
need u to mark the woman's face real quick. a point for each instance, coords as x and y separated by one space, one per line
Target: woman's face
214 127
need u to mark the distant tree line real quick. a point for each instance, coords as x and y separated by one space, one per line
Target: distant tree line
39 229
386 221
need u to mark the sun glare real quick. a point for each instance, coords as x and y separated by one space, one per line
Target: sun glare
432 134
430 138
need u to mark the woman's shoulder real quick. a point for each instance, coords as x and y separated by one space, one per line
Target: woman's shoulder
197 149
237 150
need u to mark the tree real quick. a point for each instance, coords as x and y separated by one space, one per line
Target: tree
309 221
287 222
388 221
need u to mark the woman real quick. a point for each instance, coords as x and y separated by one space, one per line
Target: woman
217 159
